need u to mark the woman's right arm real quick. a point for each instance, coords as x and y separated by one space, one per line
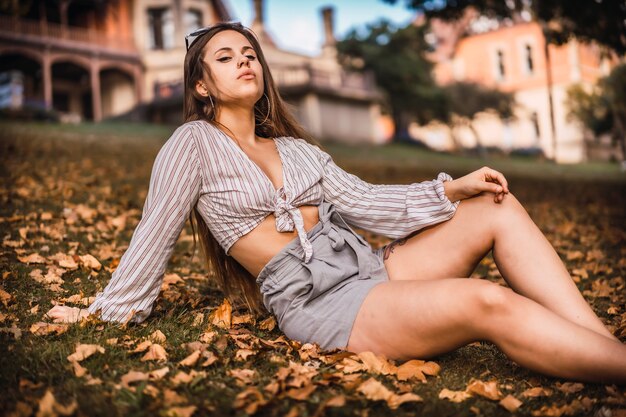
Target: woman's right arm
175 185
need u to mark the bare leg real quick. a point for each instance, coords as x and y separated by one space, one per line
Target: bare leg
531 267
421 319
526 260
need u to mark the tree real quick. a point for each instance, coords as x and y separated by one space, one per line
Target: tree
464 101
614 86
396 57
601 21
603 109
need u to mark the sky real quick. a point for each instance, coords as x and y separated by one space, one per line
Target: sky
297 25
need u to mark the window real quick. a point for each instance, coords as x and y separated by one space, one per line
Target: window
160 28
528 52
193 20
500 64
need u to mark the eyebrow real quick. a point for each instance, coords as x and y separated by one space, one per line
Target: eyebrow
226 48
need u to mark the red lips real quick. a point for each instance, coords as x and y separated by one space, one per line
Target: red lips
246 72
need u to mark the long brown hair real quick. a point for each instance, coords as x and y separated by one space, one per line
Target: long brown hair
272 119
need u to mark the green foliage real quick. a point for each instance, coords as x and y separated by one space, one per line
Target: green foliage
600 21
603 109
467 99
591 108
396 57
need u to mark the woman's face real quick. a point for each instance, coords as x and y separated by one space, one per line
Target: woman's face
230 56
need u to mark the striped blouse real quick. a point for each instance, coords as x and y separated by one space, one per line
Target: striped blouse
201 166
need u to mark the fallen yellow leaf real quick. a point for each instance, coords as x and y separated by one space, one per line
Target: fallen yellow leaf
510 403
155 353
454 396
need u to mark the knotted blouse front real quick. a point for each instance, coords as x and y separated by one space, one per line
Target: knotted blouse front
200 166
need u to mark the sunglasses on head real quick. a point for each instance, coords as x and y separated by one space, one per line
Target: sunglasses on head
191 37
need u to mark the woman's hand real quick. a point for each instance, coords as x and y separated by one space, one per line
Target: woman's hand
483 179
65 314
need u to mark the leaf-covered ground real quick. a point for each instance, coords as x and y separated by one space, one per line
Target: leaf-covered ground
71 197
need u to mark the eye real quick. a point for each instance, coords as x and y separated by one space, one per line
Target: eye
223 59
252 57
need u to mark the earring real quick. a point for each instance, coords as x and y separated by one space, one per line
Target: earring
268 108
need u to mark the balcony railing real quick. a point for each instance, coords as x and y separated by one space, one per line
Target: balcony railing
295 76
48 32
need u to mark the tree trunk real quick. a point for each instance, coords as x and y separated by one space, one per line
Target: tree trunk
481 149
619 132
456 144
401 126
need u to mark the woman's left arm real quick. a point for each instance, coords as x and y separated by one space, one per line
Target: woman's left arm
391 210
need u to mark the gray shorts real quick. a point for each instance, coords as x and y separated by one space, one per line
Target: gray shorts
317 302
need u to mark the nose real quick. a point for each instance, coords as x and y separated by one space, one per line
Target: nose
243 60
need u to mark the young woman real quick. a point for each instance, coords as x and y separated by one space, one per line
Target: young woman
273 214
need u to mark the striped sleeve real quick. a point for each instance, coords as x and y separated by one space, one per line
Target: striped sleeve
175 184
393 211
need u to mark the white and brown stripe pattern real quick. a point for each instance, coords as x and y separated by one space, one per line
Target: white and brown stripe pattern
200 165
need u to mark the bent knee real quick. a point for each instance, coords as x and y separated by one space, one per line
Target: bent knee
493 298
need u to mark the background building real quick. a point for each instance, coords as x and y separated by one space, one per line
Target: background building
511 56
331 103
96 60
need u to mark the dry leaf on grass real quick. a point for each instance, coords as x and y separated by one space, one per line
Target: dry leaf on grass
180 411
192 359
242 319
245 376
49 407
33 258
250 400
454 396
537 392
155 353
5 297
301 393
185 378
377 364
90 262
135 376
510 403
336 401
171 397
484 389
42 328
157 337
242 354
376 391
416 369
268 324
221 316
83 351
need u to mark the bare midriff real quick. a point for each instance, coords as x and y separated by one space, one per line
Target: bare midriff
255 249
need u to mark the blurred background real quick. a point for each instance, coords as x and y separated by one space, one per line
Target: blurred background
535 78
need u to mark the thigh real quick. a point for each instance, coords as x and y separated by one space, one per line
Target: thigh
422 319
451 248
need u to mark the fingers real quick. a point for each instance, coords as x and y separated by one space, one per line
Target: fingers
497 177
61 314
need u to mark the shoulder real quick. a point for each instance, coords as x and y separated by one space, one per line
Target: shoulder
183 140
303 145
197 131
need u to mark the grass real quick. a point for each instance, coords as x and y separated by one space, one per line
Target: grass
47 168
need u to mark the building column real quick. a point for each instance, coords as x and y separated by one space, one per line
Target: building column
313 114
138 79
46 67
96 101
